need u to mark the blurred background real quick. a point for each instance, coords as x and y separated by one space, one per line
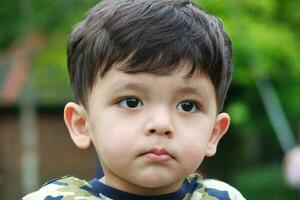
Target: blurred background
264 100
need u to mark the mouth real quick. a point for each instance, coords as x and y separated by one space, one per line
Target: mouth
158 155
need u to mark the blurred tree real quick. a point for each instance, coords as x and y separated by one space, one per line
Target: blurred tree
9 22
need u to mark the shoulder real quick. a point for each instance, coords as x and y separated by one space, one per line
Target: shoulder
63 188
216 186
213 188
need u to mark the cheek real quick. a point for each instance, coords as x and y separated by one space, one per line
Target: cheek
114 142
193 144
194 152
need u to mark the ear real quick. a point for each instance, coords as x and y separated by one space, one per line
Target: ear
76 120
220 128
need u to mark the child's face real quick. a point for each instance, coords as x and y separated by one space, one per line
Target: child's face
152 131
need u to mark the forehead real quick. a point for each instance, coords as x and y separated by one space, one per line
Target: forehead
117 80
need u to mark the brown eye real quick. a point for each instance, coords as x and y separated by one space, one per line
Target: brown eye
130 102
188 106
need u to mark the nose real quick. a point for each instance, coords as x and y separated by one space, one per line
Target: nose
160 122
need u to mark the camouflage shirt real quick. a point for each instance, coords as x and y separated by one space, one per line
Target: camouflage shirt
193 188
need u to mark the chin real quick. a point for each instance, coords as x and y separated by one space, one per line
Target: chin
156 181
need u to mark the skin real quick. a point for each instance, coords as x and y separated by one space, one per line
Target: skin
149 131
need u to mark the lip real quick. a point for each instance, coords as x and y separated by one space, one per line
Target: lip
158 155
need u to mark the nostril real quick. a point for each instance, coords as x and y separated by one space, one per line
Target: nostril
168 132
152 131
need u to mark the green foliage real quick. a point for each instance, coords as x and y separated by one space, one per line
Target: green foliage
54 20
10 21
49 73
239 113
264 183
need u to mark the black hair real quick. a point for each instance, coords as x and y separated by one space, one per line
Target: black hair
151 36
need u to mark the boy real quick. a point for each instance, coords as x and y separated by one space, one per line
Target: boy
149 79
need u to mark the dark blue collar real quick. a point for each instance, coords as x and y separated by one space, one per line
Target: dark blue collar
189 185
112 193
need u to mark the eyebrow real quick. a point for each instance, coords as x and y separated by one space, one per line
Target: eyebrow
191 90
123 85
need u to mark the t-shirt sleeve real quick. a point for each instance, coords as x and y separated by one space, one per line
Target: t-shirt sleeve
48 192
62 189
233 193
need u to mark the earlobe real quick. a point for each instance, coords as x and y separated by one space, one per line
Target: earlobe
76 122
219 130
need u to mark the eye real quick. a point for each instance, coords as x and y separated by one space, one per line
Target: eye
130 102
188 106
